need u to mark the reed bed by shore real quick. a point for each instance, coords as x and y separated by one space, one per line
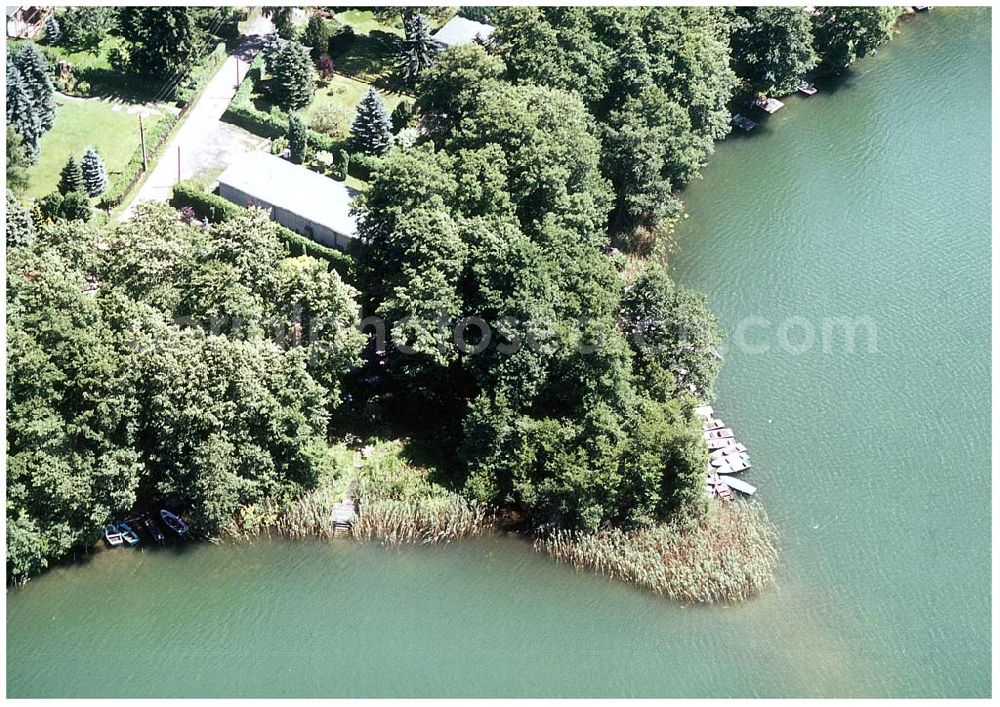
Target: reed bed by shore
427 520
730 554
305 517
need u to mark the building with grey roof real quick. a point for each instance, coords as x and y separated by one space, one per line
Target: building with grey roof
300 199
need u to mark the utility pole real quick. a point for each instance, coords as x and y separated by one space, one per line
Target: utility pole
142 139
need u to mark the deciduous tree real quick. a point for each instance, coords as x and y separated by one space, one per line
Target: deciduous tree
161 41
772 48
18 161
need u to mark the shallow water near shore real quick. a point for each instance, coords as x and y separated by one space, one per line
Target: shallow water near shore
870 199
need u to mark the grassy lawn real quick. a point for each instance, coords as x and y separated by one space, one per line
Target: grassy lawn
81 123
92 66
364 22
337 101
374 54
356 184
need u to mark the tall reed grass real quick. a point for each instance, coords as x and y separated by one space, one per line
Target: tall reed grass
729 554
307 516
396 503
424 520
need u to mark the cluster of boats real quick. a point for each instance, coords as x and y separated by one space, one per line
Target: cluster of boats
769 105
124 534
727 457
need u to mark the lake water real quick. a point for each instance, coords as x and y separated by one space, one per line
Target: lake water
868 200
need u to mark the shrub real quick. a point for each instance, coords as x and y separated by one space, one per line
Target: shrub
72 206
329 120
402 115
341 41
316 36
279 145
363 166
325 66
298 143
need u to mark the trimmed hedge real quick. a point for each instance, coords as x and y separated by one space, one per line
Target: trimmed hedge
199 76
216 209
123 181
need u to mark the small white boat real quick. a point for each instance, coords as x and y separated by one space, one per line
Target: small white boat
713 425
733 467
723 433
726 451
739 484
806 88
731 459
112 535
720 443
705 411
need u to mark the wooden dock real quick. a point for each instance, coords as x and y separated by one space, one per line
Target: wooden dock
769 105
343 516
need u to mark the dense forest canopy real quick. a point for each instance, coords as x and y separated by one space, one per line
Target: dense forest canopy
159 361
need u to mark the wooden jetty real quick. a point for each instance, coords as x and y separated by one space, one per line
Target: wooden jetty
718 487
343 516
769 105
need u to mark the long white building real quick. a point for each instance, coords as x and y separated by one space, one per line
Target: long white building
300 199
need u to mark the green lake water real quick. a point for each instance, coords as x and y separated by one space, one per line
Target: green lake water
868 200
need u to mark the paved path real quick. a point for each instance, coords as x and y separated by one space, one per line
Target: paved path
204 141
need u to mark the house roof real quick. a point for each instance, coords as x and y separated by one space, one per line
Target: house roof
288 186
459 30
